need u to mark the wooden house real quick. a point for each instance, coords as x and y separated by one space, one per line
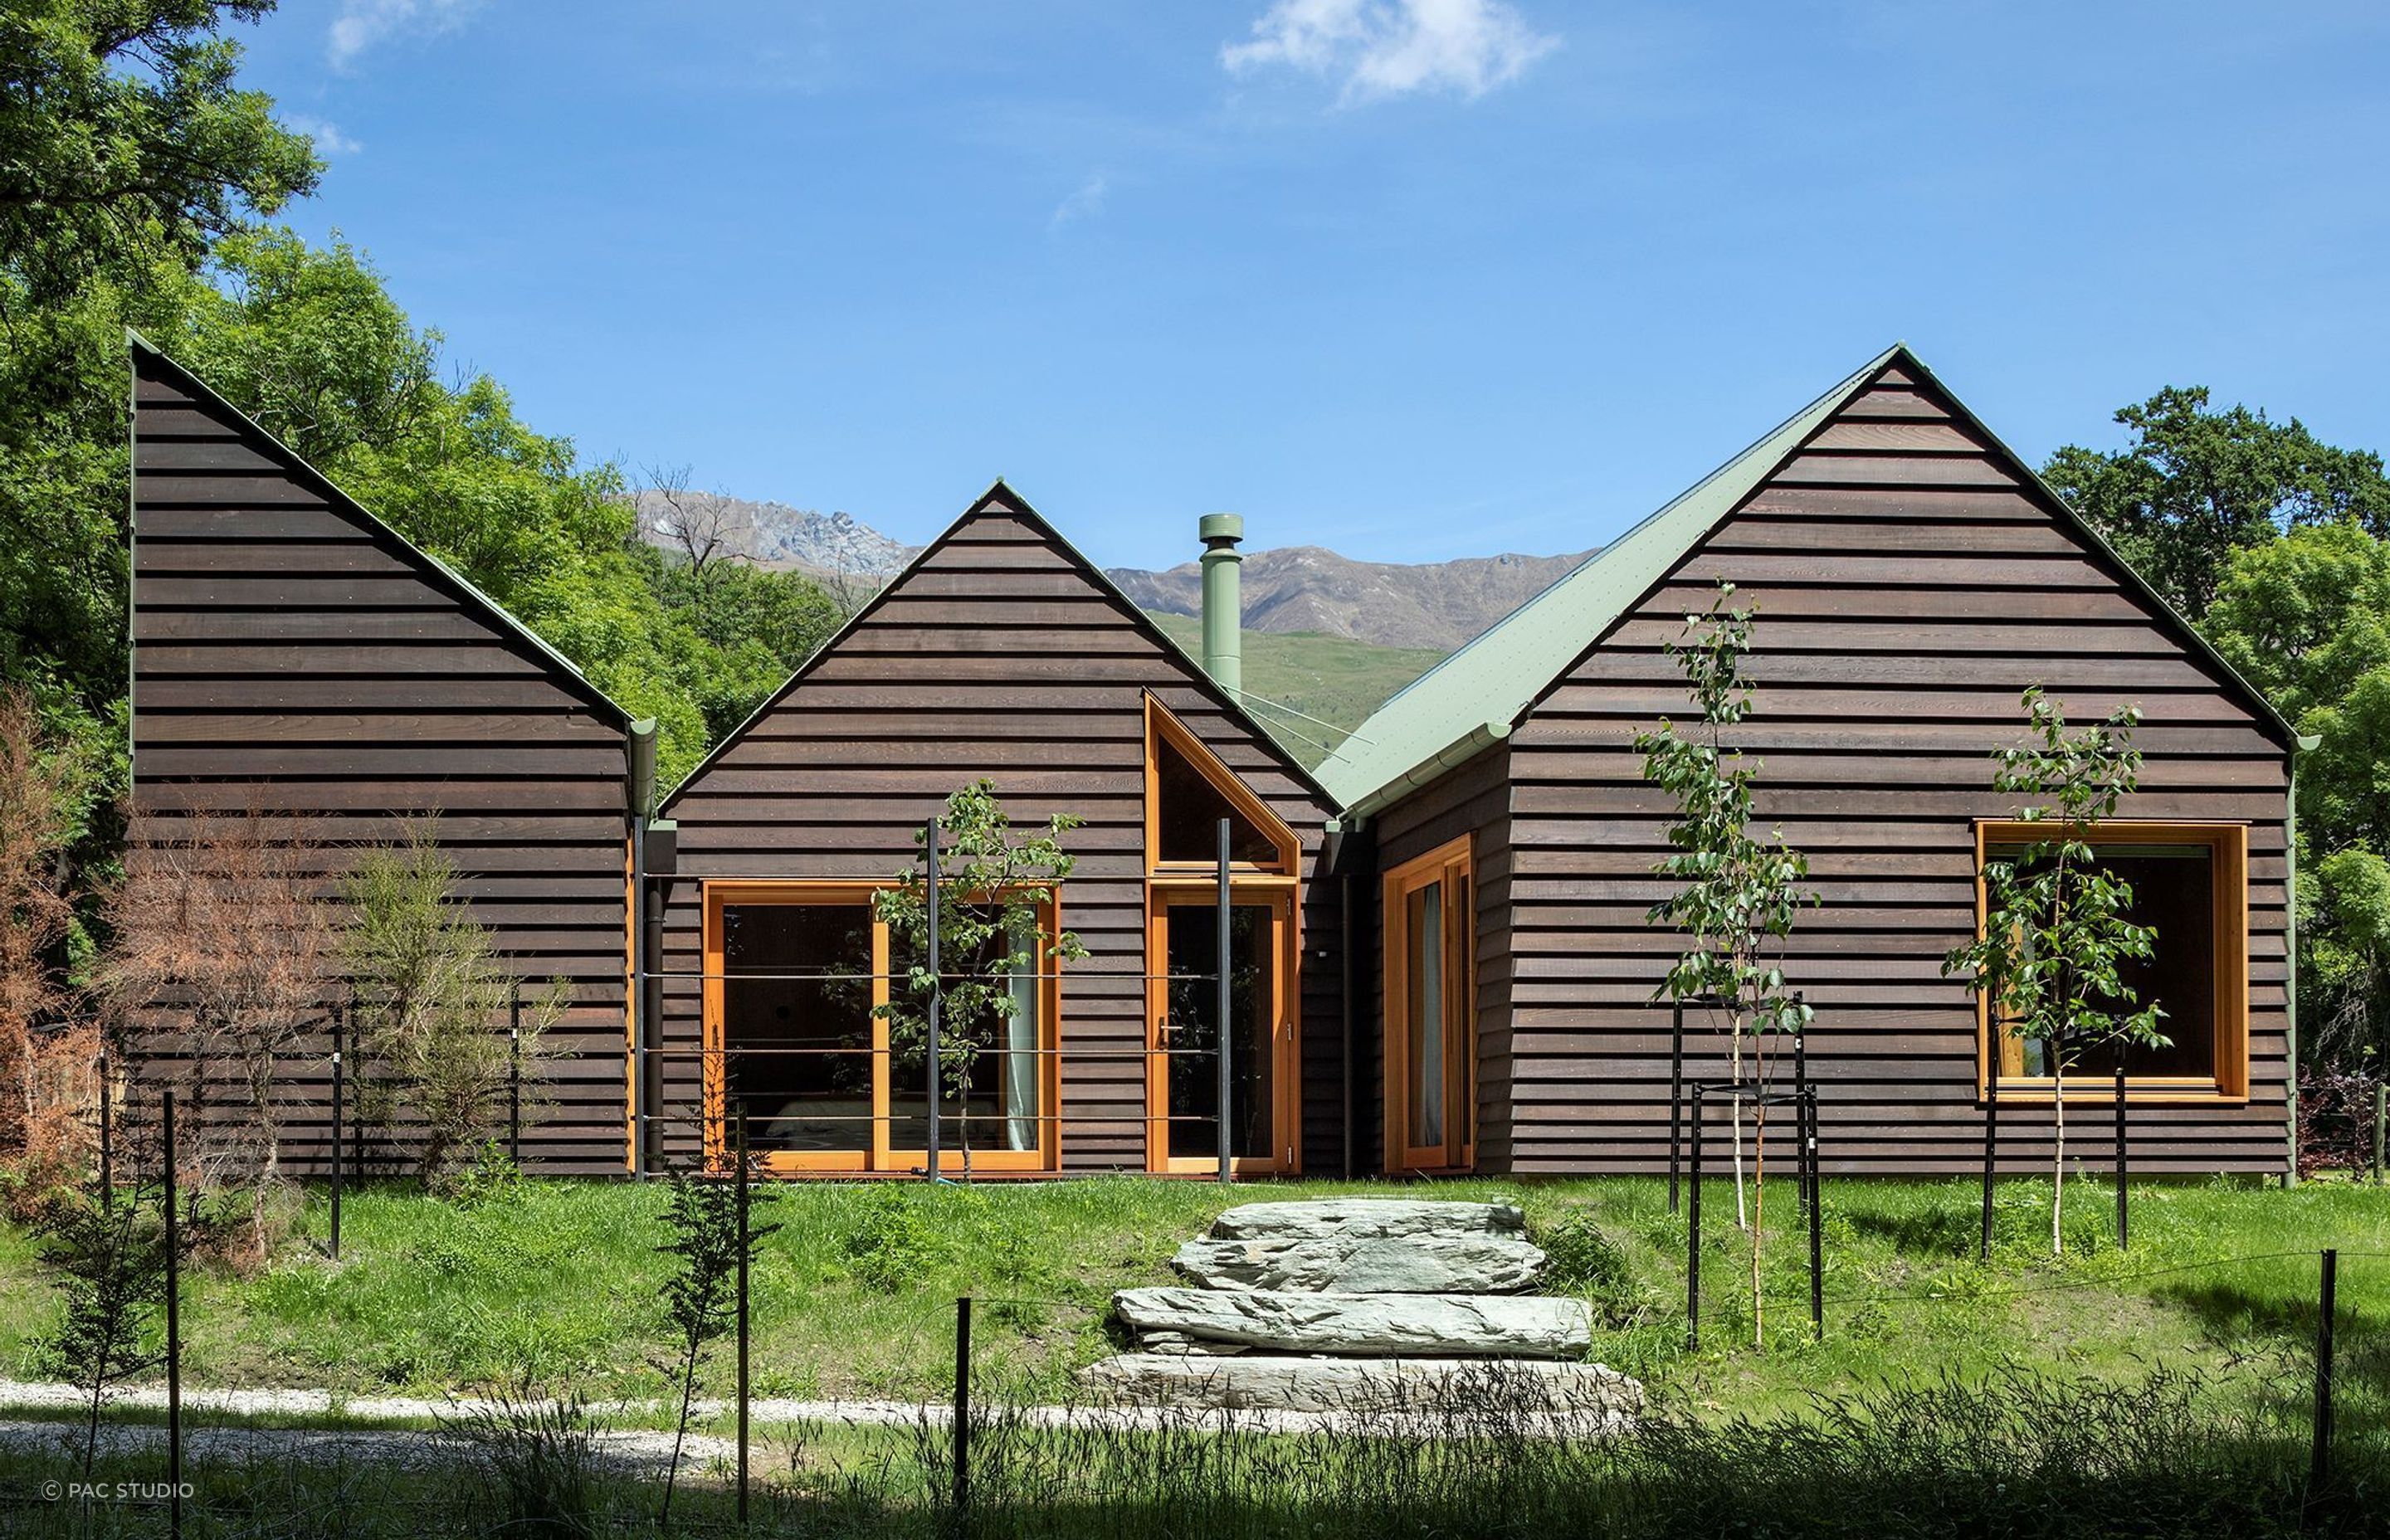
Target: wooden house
294 655
1910 576
1001 653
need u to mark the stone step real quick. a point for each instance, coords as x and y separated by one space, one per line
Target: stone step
1437 1387
1363 1219
1479 1262
1366 1325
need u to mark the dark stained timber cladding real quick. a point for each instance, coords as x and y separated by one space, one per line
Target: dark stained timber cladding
292 656
1909 585
1472 801
997 655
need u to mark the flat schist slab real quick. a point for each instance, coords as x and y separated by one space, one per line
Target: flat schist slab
1479 1262
1366 1325
1364 1219
1590 1397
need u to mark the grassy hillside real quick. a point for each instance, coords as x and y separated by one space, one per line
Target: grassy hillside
1333 678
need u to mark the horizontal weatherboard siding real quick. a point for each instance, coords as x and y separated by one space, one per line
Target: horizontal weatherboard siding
998 654
1908 582
292 656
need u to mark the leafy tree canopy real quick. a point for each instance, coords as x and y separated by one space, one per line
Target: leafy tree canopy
123 137
2196 484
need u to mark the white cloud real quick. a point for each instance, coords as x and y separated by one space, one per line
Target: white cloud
1380 48
329 140
363 23
1083 202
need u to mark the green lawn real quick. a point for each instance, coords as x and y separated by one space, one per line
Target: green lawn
855 1293
1334 678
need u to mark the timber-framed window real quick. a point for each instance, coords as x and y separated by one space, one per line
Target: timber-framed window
1430 1010
2191 884
1188 790
796 973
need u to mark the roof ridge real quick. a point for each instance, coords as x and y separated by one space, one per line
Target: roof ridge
1479 686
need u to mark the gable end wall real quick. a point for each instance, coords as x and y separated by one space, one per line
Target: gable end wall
998 655
1909 584
292 657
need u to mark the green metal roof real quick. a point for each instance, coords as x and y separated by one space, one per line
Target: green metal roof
1475 696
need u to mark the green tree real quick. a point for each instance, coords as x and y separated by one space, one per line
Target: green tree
993 889
124 137
106 1255
2194 484
431 1002
126 148
2307 618
2055 933
700 1294
1739 892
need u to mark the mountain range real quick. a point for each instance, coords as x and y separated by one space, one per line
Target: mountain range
1295 589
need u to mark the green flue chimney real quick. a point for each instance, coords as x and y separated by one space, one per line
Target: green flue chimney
1224 603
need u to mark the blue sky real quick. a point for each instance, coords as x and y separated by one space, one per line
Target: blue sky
1411 278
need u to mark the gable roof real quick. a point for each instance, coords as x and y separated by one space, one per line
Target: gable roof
1001 500
434 570
1474 698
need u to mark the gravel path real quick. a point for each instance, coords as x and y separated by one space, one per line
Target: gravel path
347 1411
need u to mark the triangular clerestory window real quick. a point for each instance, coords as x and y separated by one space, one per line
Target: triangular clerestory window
1189 791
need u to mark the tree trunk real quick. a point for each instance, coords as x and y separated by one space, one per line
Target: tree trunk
2058 1154
1758 1222
1742 1211
680 1432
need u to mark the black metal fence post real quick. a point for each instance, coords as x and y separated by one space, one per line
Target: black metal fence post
2123 1182
2319 1463
745 1245
340 1119
514 1075
173 1331
1817 1219
1693 1235
937 993
962 1411
1220 1010
1676 1095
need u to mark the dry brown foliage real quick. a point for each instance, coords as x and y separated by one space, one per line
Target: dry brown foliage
221 941
47 1071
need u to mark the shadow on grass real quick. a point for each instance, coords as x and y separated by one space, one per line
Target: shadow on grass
2233 1313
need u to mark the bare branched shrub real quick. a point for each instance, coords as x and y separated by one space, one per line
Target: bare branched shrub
220 938
432 1003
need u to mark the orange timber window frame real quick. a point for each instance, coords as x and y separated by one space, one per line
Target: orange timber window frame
1273 882
1448 966
880 1158
2227 846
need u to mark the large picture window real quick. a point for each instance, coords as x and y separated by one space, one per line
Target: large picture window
795 972
2190 884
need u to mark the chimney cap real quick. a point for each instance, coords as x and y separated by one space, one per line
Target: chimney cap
1225 528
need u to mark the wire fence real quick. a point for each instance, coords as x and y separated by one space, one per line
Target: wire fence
978 1405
